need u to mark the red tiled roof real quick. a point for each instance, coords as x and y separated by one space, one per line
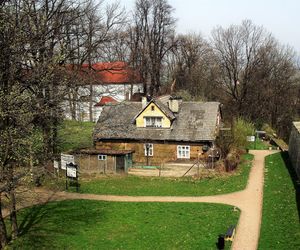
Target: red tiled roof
112 73
105 100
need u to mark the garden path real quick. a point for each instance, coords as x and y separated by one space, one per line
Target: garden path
249 201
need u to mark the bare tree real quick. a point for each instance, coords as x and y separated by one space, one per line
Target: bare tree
273 94
236 51
152 38
255 75
14 122
191 65
99 27
30 87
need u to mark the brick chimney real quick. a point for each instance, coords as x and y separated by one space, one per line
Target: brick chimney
174 103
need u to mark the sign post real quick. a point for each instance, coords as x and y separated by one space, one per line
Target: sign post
252 138
72 174
66 159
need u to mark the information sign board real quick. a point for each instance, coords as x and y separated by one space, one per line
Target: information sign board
251 138
66 159
55 164
71 171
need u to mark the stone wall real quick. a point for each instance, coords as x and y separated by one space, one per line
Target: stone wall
294 147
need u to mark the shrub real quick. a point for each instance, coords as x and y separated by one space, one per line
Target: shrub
241 129
233 143
232 160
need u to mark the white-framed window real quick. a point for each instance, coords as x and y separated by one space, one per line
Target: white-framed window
148 147
153 122
102 157
183 152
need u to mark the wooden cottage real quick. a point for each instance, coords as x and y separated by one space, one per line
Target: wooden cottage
160 130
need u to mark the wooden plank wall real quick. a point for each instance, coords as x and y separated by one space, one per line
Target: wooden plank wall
90 164
162 152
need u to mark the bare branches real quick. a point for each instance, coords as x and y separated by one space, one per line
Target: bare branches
236 49
152 37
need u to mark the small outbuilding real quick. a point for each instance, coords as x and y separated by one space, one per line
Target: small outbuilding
104 161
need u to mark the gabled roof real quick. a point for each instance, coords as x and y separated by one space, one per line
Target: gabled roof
161 106
105 100
194 122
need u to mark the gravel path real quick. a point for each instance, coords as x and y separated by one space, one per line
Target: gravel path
249 201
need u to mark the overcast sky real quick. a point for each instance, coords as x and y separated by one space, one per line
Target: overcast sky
280 17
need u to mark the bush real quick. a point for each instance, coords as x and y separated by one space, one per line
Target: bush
242 129
232 160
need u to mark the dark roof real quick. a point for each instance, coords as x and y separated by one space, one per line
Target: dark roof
195 121
161 106
136 97
103 151
164 109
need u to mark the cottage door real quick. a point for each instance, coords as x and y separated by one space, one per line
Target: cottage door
120 163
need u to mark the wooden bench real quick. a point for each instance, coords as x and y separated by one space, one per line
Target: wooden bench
230 233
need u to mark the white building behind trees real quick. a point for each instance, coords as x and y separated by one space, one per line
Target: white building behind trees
115 80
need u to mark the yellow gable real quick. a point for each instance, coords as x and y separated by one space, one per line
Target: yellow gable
152 116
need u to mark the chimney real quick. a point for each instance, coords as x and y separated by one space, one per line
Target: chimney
144 101
174 103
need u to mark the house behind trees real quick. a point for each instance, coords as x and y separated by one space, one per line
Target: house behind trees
116 81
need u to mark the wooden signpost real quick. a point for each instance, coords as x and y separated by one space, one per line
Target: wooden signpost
72 175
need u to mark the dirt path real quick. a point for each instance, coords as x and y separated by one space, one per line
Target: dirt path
249 201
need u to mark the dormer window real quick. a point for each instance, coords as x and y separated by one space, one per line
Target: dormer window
155 114
155 122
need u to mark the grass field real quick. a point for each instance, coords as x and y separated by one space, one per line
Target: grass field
132 185
83 224
258 145
280 224
73 135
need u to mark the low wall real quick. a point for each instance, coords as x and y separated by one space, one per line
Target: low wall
294 147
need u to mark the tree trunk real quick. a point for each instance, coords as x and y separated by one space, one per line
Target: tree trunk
13 214
71 105
3 232
91 102
46 142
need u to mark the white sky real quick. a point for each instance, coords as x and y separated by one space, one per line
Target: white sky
280 17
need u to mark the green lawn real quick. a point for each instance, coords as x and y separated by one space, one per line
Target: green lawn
258 145
83 224
280 224
132 185
74 135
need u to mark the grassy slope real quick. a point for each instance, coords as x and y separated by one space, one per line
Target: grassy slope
73 135
83 224
280 224
132 185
